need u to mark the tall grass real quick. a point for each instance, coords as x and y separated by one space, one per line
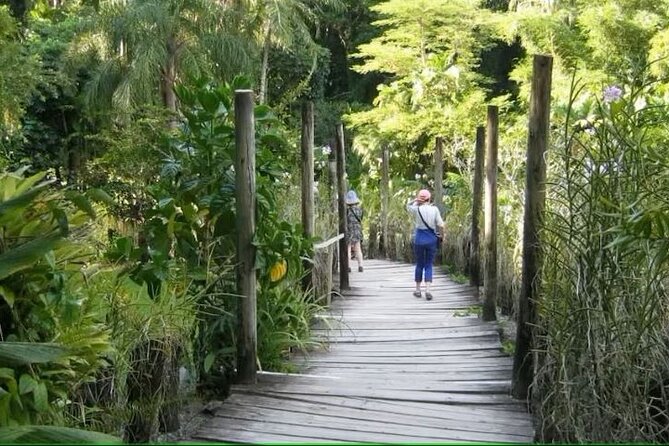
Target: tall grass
602 354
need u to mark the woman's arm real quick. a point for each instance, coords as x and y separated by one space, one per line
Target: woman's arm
439 222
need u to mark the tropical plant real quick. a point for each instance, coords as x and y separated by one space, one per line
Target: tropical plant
612 337
147 47
18 74
285 23
39 263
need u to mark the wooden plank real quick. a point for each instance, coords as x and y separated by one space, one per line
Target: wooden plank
335 355
390 368
377 393
300 433
357 423
487 386
242 434
431 375
426 346
483 414
380 412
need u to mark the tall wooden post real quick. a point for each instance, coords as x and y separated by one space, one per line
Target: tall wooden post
439 173
475 250
535 198
307 143
341 187
490 236
385 196
245 181
334 185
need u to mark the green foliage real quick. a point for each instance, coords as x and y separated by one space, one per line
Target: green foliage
40 247
431 49
145 46
509 347
18 75
474 310
53 435
602 311
25 353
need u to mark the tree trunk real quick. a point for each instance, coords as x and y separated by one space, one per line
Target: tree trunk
262 95
439 173
385 194
168 79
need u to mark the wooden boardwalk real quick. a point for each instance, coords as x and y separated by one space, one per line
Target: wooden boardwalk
397 369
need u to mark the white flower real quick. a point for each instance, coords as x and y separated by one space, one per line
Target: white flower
417 176
326 149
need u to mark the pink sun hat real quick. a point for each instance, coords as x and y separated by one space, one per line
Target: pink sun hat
423 196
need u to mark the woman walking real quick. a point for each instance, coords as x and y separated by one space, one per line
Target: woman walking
354 227
428 228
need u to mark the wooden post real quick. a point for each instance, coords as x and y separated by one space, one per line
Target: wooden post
308 168
245 181
332 172
535 198
385 194
307 143
341 187
490 236
439 174
475 250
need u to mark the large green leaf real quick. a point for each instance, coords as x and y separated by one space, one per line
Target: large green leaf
100 196
24 353
22 200
26 255
53 435
82 202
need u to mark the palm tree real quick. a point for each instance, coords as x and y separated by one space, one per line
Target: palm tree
146 46
282 23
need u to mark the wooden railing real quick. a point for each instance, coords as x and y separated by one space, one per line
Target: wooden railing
325 264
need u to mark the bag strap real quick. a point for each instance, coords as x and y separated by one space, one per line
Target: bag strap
425 223
350 210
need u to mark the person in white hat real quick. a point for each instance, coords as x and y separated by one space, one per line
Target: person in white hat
354 227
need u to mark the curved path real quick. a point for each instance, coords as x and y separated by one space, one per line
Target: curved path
397 369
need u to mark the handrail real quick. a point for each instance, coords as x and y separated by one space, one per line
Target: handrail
329 242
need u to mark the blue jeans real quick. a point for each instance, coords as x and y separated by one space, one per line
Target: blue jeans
424 248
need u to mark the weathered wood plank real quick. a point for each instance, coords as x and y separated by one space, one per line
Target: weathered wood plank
394 369
358 423
377 393
477 421
484 414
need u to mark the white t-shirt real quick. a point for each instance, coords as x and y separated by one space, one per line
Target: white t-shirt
430 214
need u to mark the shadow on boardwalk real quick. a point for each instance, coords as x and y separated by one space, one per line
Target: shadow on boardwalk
397 369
